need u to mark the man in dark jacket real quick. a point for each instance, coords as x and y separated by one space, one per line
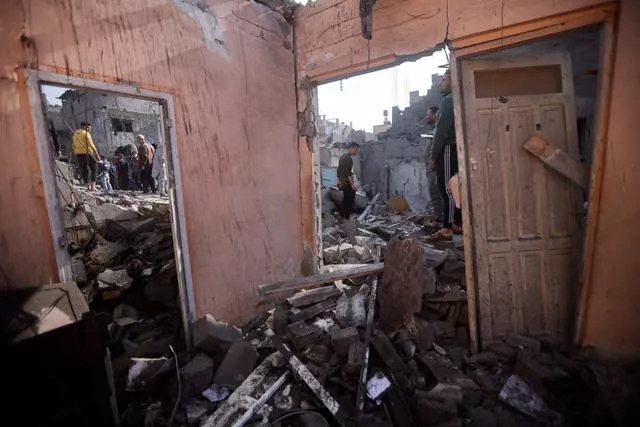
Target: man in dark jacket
444 159
345 180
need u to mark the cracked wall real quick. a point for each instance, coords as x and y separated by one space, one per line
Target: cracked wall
229 66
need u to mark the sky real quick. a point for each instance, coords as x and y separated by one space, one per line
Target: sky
363 98
52 93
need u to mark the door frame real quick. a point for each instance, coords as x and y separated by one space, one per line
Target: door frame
34 79
504 38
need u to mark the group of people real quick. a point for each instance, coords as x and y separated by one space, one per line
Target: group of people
442 159
139 170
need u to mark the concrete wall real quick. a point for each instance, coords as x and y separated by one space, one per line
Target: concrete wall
397 167
229 66
613 307
330 46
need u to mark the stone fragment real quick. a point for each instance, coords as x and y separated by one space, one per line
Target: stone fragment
432 257
114 278
109 254
520 341
388 353
483 379
303 334
431 411
506 354
236 365
443 391
341 340
485 358
195 412
518 394
537 367
144 370
353 253
425 336
429 281
305 298
196 376
78 271
214 337
317 353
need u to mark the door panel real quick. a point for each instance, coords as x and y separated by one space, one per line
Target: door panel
522 212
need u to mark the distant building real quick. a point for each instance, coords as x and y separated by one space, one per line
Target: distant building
115 120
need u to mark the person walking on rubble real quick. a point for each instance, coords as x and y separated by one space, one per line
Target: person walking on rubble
345 180
157 170
145 161
444 159
86 154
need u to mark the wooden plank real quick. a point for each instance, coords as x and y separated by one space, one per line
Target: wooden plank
321 279
603 107
463 175
558 160
312 311
313 296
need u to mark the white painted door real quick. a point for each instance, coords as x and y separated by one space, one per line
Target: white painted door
523 214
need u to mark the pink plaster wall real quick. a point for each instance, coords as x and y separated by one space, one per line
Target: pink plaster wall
613 307
231 71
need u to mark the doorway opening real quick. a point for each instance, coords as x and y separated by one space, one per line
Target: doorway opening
524 108
112 185
386 112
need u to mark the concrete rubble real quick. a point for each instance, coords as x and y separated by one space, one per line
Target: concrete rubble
316 357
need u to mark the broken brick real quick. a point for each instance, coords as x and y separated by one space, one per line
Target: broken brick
388 353
236 365
214 337
317 353
341 340
196 376
303 334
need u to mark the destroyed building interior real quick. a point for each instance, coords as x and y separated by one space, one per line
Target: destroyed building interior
178 248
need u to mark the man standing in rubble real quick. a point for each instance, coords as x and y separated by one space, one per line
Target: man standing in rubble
444 159
345 180
86 155
434 190
145 161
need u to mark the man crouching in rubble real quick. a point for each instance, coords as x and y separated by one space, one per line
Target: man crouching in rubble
345 180
444 159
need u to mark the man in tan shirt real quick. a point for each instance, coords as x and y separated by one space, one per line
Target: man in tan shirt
145 161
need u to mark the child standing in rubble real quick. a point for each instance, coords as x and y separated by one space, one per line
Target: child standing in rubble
103 176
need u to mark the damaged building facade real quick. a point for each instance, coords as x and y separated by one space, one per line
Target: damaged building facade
115 120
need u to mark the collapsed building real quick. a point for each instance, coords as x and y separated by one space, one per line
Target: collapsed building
237 86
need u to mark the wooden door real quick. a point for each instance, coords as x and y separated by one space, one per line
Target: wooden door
523 214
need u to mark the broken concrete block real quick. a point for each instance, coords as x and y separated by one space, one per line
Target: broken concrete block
109 254
429 281
162 291
351 311
520 341
341 340
195 412
354 360
303 334
432 257
214 337
196 376
114 278
485 358
506 354
483 378
521 396
430 411
125 315
236 365
425 336
317 353
388 353
443 391
354 253
401 285
443 329
78 270
144 370
280 320
537 368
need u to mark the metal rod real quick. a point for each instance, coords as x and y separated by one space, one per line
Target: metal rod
260 402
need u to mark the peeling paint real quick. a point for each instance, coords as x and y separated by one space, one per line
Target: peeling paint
204 16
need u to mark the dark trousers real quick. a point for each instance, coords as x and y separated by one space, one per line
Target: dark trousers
348 198
88 167
146 179
447 167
